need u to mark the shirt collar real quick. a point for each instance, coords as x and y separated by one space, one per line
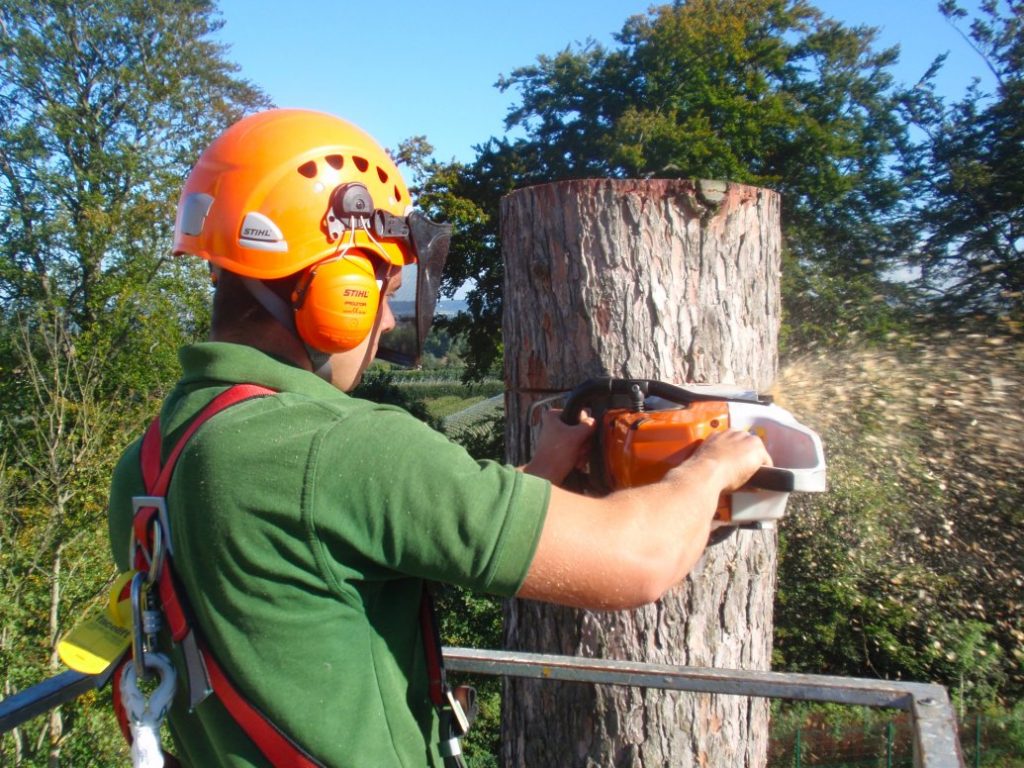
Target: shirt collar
217 363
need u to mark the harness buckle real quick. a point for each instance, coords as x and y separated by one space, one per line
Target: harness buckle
199 686
159 503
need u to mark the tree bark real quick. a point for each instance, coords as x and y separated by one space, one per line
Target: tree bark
55 718
674 280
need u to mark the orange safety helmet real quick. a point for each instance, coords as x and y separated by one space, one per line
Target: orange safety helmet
289 192
259 200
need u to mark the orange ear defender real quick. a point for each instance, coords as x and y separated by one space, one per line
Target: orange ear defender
336 303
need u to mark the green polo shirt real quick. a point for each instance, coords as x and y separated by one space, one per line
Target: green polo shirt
303 526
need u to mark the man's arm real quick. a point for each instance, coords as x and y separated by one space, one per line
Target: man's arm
627 549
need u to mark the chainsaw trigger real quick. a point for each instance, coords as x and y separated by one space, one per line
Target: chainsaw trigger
773 479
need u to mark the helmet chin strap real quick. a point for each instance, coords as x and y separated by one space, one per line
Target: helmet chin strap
281 311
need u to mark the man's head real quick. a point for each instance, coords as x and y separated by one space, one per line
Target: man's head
315 221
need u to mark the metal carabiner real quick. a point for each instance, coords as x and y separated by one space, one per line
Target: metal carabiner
137 595
154 557
139 588
147 620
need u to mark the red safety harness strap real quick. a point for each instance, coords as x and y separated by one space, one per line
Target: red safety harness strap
271 741
438 685
157 473
275 745
156 476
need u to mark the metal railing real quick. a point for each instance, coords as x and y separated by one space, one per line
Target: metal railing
936 742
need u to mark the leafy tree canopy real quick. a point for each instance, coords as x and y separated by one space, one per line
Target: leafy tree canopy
970 181
766 92
103 108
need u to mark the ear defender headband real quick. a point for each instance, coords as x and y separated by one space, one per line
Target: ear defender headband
336 301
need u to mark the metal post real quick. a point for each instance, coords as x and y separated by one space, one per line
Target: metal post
889 732
798 749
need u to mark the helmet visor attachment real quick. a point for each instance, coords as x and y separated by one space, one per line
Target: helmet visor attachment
413 305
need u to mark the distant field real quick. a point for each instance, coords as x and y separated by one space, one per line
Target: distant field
447 399
446 405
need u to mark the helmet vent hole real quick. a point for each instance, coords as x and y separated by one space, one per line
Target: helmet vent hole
308 169
335 161
361 163
382 175
398 195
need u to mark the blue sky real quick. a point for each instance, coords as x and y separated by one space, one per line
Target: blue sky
413 67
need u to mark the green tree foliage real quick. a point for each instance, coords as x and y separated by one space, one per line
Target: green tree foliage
103 107
766 92
467 196
971 175
53 543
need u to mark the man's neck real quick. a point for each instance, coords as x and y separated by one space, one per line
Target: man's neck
270 338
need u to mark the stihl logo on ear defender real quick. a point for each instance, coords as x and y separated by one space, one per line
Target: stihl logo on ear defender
357 292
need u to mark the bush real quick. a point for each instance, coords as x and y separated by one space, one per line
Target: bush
911 566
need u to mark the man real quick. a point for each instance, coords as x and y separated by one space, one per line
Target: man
304 524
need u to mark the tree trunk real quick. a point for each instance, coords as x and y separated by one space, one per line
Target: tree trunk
662 279
55 719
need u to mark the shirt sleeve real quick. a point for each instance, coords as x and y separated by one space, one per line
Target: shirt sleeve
389 497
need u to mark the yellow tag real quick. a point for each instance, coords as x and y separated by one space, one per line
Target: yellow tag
120 611
94 643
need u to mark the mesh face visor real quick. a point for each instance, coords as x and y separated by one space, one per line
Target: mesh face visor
414 303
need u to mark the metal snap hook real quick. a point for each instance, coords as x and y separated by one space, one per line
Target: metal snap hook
137 706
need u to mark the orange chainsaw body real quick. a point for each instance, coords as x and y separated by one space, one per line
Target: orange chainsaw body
646 427
641 447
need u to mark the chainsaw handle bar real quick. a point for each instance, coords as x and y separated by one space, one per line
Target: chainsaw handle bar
604 387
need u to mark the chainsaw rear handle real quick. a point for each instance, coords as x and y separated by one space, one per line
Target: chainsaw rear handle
585 393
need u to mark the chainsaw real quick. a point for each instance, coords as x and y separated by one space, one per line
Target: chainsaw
645 427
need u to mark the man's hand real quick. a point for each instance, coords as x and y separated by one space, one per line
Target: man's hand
560 446
732 457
